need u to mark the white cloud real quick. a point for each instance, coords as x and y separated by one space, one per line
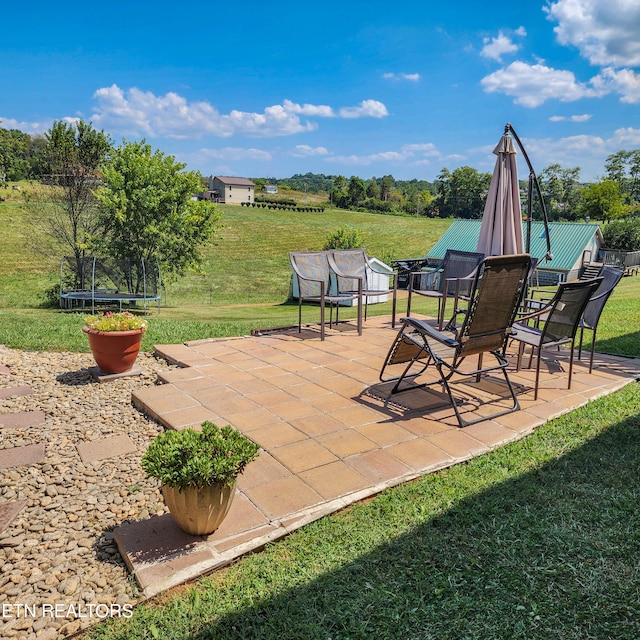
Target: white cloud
26 127
236 153
367 108
576 118
495 48
604 31
412 77
625 82
136 112
305 151
414 154
532 85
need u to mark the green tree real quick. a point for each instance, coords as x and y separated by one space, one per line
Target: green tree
386 187
602 201
147 211
462 193
623 168
339 192
64 210
373 190
356 191
622 235
561 191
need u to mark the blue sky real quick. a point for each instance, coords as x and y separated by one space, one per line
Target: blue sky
352 88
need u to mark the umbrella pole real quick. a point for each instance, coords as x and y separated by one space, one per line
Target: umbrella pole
533 181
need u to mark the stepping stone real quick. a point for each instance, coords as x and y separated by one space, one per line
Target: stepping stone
4 369
14 392
106 448
19 456
21 419
9 509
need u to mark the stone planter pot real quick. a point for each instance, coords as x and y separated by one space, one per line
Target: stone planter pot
114 351
199 511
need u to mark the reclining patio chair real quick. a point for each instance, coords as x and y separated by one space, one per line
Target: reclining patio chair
441 283
495 296
554 323
356 265
591 316
313 275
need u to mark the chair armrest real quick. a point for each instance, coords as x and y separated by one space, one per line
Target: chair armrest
426 329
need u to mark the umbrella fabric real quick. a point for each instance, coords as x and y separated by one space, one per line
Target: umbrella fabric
501 228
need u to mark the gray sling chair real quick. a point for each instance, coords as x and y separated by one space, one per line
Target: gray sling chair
356 265
441 282
591 316
313 275
495 296
555 323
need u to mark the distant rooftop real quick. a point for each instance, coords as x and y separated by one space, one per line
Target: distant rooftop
243 182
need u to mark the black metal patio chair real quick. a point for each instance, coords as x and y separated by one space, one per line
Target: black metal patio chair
494 299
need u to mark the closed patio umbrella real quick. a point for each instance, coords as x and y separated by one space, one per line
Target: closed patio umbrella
501 228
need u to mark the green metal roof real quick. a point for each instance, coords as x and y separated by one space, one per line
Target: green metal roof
568 241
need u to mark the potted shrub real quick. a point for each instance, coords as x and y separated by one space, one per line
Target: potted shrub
115 340
198 470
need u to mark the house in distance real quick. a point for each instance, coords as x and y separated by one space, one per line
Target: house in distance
230 190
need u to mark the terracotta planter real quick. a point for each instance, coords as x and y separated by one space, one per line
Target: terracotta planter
114 351
199 511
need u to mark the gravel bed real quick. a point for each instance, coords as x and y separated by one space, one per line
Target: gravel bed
58 559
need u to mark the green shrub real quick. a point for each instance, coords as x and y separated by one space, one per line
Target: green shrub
344 238
191 458
622 235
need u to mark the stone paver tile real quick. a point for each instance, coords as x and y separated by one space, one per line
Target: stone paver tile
106 448
152 540
4 369
15 392
334 480
20 456
457 443
194 385
243 515
490 433
378 465
385 433
271 397
180 355
346 442
327 402
547 410
21 419
292 410
261 471
164 404
232 406
177 375
189 418
519 421
276 435
356 415
9 509
293 384
248 421
423 426
283 497
316 424
252 385
303 455
420 455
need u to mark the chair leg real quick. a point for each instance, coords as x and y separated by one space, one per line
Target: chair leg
537 382
593 348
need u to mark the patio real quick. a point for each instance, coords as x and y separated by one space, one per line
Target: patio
329 432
